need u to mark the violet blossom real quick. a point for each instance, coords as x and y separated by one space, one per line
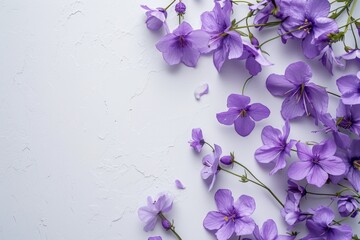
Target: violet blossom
310 19
301 96
211 166
231 217
352 161
321 224
183 45
316 164
197 141
275 148
150 213
225 42
155 18
348 117
241 114
328 59
347 206
349 86
254 59
269 231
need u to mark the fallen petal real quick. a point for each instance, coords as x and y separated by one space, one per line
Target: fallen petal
200 91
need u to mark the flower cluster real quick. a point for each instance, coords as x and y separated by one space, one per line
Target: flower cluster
308 165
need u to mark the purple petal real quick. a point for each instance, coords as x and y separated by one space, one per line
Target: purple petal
304 152
228 118
351 98
252 66
323 216
226 231
214 220
244 226
280 163
164 203
244 126
224 200
190 56
270 136
245 205
219 58
149 217
354 178
278 85
183 29
310 49
299 170
201 90
269 230
334 166
292 108
258 112
317 98
199 39
317 8
237 101
235 44
317 176
267 154
179 184
298 73
173 56
325 149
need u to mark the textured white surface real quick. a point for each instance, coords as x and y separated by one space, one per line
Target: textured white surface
92 121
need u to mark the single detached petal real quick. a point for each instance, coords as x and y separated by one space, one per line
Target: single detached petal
179 184
224 200
258 112
244 126
201 90
214 220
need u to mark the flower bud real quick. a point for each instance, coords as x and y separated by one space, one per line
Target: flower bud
347 206
227 160
180 8
166 224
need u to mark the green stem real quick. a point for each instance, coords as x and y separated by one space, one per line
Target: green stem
169 5
350 15
246 81
334 94
240 1
260 25
355 20
336 15
260 183
210 146
322 194
172 229
278 36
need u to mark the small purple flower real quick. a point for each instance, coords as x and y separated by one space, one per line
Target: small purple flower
269 231
316 164
301 96
275 148
241 114
311 18
349 86
347 206
226 43
321 224
295 190
348 117
254 59
179 184
211 166
155 18
180 8
155 238
183 45
329 59
150 213
197 141
231 217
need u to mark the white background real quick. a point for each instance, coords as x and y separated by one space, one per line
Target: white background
92 121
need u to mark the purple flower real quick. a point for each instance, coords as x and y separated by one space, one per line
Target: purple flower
341 139
348 117
316 164
254 59
351 55
328 59
211 166
183 45
276 147
197 141
269 231
179 184
295 190
301 96
155 18
347 206
226 43
241 114
352 161
231 217
349 86
311 19
155 238
180 8
149 214
321 225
